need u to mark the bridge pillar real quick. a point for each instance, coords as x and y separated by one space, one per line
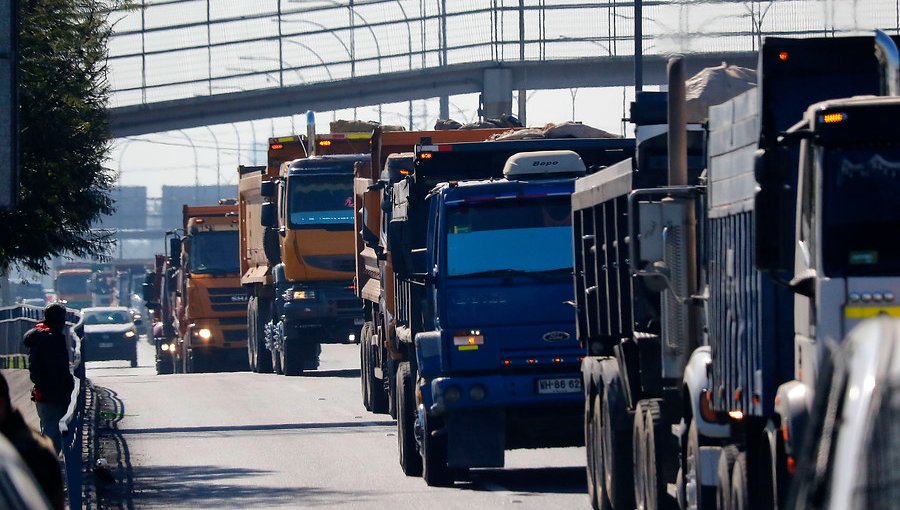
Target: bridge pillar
444 102
496 93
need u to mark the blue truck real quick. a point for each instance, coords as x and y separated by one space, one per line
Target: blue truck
691 301
482 311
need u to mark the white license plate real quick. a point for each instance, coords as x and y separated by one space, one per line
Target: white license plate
105 344
559 385
359 321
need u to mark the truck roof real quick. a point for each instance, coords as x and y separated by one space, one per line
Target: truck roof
484 160
341 164
501 189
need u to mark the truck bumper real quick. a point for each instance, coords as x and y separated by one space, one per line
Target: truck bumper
485 415
333 316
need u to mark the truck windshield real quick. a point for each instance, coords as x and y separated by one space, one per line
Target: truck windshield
215 253
72 284
508 237
860 187
321 200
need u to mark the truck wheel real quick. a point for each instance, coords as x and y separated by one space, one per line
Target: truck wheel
390 373
363 369
410 460
377 396
134 358
593 442
638 444
261 354
723 487
653 454
434 456
251 333
696 496
617 468
740 498
291 357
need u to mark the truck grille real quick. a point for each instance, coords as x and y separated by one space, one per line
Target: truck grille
348 303
344 263
229 299
233 321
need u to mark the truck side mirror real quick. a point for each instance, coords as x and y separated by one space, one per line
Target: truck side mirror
774 211
805 283
395 244
148 291
268 215
175 252
267 188
419 262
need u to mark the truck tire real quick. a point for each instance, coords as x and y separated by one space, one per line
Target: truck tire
697 497
410 460
262 356
593 442
291 357
251 333
740 497
723 487
363 369
275 356
653 455
377 396
434 456
616 449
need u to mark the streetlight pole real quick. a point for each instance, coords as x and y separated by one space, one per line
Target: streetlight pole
196 166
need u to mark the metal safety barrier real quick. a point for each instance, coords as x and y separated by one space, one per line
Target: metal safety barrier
15 321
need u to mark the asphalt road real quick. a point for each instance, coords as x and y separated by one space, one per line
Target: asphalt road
243 440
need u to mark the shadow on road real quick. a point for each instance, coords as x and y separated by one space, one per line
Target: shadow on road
194 486
220 487
257 428
350 373
560 480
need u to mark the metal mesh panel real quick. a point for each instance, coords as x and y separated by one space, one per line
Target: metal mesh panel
174 49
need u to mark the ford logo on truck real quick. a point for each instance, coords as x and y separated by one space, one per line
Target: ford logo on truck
556 336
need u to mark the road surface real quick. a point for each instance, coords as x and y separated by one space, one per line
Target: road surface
243 440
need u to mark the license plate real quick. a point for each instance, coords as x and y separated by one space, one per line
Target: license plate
105 344
358 321
559 385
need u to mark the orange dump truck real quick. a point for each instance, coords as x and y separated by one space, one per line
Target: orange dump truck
297 261
211 314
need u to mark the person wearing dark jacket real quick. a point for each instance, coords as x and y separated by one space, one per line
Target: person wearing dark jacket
49 361
35 450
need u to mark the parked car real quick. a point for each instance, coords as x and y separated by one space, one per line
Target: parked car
852 457
110 333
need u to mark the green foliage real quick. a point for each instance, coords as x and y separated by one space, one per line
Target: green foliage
64 134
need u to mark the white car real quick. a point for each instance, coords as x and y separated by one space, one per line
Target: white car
109 334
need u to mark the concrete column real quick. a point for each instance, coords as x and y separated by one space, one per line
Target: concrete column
445 107
496 95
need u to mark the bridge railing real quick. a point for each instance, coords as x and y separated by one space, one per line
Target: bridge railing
173 49
15 321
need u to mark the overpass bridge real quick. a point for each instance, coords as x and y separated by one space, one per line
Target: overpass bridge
178 64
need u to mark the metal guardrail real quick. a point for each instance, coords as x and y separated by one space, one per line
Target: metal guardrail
15 321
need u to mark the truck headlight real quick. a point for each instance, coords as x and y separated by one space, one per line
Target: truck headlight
304 294
204 334
129 334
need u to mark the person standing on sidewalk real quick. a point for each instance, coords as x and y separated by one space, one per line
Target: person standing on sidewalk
49 363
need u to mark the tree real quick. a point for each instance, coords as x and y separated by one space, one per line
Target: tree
64 134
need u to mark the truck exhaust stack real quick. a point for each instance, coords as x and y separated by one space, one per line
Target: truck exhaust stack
677 123
889 59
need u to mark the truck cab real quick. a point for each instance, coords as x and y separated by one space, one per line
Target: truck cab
314 299
497 356
846 258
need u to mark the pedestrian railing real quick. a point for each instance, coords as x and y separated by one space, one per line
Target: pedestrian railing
15 321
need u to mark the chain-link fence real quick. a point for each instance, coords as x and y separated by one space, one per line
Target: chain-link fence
172 49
